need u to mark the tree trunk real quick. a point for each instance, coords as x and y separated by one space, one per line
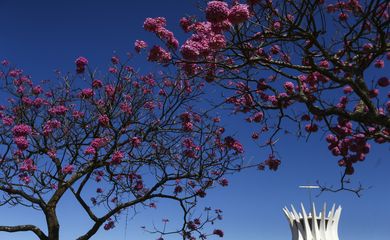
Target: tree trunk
53 226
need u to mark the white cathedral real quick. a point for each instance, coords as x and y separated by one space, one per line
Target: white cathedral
310 226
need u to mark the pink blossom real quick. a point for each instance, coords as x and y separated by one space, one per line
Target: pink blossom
272 163
379 64
220 27
178 189
234 144
4 62
239 13
97 83
52 153
8 121
15 73
58 110
139 185
217 42
224 182
117 157
218 232
28 166
25 178
168 36
217 11
81 62
125 108
185 24
77 114
21 142
38 102
68 169
289 86
343 16
90 151
188 126
367 46
324 64
189 143
277 25
152 24
87 93
190 154
373 93
110 90
311 128
347 89
104 120
255 135
150 105
21 130
191 50
257 117
115 60
201 193
136 141
112 70
109 225
160 55
98 143
50 125
383 82
139 45
36 90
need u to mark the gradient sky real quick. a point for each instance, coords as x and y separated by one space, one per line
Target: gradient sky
40 36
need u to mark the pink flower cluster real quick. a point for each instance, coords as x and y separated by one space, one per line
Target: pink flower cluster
139 45
352 148
136 141
117 157
187 125
58 110
20 133
160 55
8 121
272 163
218 232
234 144
86 93
104 120
109 225
21 142
68 169
50 125
81 62
21 130
98 143
28 166
217 11
157 26
239 13
152 24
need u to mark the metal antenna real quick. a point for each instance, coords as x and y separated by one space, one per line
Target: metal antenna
310 188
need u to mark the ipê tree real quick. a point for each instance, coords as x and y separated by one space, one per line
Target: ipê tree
301 66
133 139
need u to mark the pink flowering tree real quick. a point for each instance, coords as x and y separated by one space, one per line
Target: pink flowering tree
133 139
297 66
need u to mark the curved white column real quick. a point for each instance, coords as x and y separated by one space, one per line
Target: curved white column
312 226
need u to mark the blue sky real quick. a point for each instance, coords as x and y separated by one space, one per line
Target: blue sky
41 36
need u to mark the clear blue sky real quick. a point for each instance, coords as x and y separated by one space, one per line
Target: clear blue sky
43 35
